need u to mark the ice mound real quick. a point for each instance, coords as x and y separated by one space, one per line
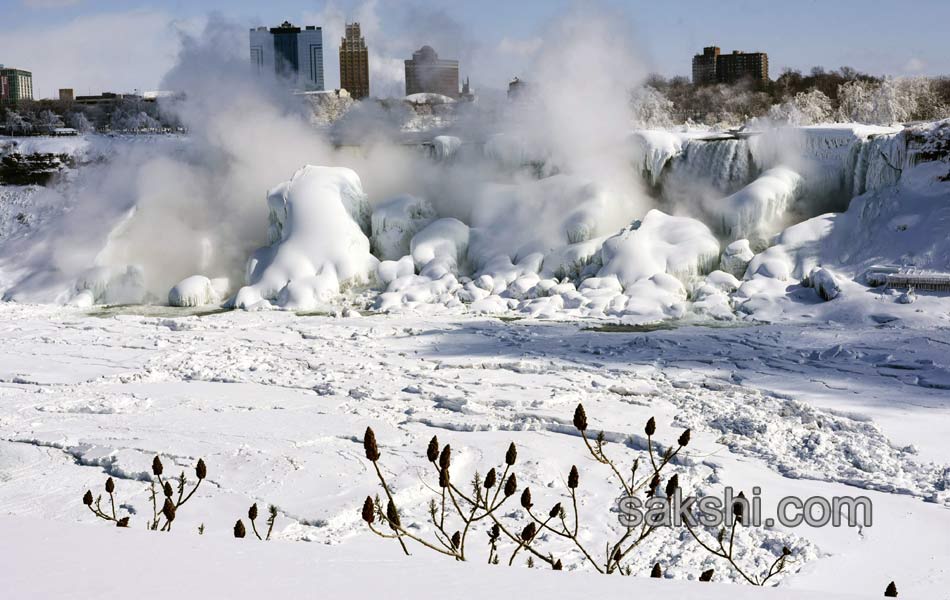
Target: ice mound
442 245
395 221
198 290
678 246
759 210
318 225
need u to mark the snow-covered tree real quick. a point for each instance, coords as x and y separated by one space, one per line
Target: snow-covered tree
651 108
806 108
80 122
18 124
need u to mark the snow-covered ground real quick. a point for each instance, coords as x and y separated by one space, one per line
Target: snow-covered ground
276 404
477 291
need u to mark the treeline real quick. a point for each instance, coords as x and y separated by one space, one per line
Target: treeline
844 95
124 115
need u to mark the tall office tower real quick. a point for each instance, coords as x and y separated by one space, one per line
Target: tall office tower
354 63
294 54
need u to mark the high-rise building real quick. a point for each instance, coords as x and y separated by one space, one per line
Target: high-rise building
294 54
66 95
354 63
15 85
427 73
713 67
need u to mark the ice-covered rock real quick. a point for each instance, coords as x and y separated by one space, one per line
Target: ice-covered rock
824 283
318 221
197 290
736 257
678 246
390 270
444 242
395 222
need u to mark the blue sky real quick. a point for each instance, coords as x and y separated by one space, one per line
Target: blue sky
126 44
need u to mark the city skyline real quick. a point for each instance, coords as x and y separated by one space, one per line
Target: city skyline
491 49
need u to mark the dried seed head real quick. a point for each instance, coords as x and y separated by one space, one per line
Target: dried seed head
511 486
618 554
573 478
707 575
168 510
511 455
490 479
650 429
494 533
272 511
87 498
369 512
684 438
786 551
110 486
891 591
369 445
252 512
654 483
527 534
671 485
456 539
201 470
392 515
168 489
445 458
580 418
444 478
738 506
123 522
656 573
558 566
555 511
432 452
526 499
157 467
239 530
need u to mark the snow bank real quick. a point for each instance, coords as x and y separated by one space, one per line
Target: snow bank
318 221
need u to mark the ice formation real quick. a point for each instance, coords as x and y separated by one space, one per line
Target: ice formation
198 290
660 243
395 221
318 224
759 210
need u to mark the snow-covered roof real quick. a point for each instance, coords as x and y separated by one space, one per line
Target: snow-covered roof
429 98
